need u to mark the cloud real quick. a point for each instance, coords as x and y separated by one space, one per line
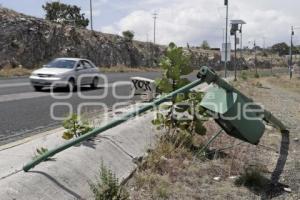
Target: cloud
193 21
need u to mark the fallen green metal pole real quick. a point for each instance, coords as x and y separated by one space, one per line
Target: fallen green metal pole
112 124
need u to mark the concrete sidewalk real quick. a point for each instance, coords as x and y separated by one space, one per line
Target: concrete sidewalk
68 175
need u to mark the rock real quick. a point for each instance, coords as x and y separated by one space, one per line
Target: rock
287 189
186 163
217 178
163 158
232 177
44 40
268 127
40 40
296 139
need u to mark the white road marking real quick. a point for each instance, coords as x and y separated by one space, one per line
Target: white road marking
32 95
5 85
25 95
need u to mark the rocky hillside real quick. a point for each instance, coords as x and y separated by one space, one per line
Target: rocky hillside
30 41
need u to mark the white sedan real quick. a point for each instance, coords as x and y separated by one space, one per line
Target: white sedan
66 72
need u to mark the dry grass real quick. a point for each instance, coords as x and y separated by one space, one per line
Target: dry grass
285 82
176 173
11 72
124 69
181 175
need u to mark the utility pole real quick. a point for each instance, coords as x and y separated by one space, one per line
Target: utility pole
241 41
91 14
291 53
154 27
235 61
226 37
255 59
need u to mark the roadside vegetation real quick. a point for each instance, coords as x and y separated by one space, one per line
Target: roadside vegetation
75 127
41 151
228 169
285 82
107 186
126 69
12 72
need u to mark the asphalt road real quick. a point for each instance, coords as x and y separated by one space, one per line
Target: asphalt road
24 111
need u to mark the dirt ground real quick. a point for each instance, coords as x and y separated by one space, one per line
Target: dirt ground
177 174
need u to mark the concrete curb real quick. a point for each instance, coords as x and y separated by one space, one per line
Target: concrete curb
67 177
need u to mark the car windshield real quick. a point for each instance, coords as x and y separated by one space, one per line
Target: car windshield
67 64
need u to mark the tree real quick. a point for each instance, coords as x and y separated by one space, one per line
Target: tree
128 35
205 45
181 119
281 48
65 14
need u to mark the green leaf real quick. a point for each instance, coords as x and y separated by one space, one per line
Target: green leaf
180 98
67 135
181 107
182 82
174 73
199 128
183 125
165 107
164 85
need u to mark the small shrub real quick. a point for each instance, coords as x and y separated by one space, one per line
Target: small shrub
128 35
41 151
158 185
258 84
108 187
162 189
256 75
252 177
244 75
75 128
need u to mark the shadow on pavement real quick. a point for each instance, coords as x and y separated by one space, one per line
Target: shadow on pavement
76 196
66 90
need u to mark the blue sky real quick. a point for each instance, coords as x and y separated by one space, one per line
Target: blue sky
184 21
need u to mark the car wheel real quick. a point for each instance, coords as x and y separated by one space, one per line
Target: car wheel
71 84
95 83
38 88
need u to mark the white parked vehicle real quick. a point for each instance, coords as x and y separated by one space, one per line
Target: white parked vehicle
66 72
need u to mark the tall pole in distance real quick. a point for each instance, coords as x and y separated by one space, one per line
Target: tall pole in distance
235 61
154 27
91 14
241 42
255 59
291 53
226 37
